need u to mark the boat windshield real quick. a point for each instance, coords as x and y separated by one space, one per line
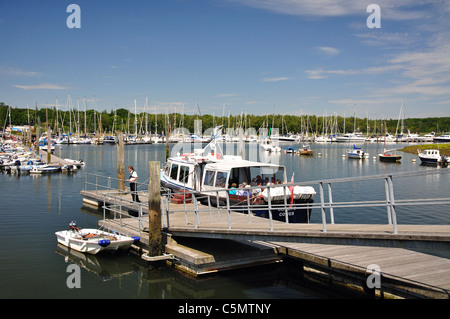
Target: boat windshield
253 175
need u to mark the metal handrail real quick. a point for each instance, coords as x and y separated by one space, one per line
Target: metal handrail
389 201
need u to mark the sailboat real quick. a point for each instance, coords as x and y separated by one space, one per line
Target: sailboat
357 152
387 156
305 149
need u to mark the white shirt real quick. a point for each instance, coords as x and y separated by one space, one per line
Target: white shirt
133 176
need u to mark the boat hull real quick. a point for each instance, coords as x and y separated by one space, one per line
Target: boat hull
389 158
298 212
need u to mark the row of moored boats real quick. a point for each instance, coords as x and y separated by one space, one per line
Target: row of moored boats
15 159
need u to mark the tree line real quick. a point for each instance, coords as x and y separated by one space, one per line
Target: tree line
91 121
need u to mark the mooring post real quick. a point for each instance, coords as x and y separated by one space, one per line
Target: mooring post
49 144
154 211
120 162
37 141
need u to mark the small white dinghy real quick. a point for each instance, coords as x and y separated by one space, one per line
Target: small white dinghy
93 241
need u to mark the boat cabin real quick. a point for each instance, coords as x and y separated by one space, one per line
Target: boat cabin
205 174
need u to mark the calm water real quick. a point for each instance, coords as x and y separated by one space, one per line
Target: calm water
32 208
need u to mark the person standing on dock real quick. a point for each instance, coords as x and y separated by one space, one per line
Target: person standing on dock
133 185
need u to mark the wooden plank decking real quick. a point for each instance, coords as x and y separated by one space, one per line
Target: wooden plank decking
416 273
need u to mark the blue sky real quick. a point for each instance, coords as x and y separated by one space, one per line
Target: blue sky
254 56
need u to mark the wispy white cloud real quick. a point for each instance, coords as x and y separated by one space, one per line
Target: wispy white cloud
323 74
276 79
328 50
42 86
6 70
221 95
394 10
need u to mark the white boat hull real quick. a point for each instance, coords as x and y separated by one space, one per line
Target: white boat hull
93 241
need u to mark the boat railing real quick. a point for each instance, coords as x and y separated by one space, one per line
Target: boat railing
324 202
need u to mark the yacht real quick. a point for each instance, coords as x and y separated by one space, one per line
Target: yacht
445 138
432 156
351 138
225 180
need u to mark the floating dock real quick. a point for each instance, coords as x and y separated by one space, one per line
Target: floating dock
203 243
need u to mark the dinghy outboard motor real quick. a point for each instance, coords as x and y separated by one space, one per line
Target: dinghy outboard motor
73 225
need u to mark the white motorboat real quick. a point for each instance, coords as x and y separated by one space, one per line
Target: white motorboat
44 169
351 138
432 156
78 163
445 138
357 153
289 150
93 241
213 176
44 144
268 146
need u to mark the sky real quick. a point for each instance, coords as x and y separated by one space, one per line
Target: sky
220 57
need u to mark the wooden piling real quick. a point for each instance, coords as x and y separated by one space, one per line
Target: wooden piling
49 144
37 140
120 162
154 210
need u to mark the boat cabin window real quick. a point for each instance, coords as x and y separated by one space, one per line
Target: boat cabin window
221 178
256 174
167 170
174 171
209 178
184 174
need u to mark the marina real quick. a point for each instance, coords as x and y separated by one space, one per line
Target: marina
243 245
283 241
258 152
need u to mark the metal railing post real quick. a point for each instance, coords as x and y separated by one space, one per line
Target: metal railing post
391 195
249 211
167 211
210 211
322 208
228 210
270 208
331 204
388 200
194 200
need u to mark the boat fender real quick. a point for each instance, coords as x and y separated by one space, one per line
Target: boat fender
136 239
104 242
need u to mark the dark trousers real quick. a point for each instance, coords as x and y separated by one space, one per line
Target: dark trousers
134 194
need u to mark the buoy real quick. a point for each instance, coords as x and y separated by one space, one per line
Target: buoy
136 238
